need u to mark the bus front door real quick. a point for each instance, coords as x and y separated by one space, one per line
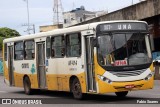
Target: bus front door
41 73
10 65
91 83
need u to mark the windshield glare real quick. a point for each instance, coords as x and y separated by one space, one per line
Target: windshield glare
123 49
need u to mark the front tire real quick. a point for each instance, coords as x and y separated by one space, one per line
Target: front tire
27 86
122 94
76 89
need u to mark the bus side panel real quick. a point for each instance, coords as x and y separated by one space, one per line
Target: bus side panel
5 68
61 82
6 73
34 81
28 68
58 82
82 79
59 73
18 79
51 74
52 82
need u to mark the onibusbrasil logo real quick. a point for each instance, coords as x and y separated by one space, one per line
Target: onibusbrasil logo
21 101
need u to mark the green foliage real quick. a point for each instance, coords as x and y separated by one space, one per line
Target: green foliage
7 33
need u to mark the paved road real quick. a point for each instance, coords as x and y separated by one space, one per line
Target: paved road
63 98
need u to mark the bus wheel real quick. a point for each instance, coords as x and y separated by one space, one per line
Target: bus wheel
27 86
76 89
122 94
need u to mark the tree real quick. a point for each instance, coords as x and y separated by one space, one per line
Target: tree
7 33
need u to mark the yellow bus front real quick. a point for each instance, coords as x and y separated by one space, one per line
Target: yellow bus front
123 59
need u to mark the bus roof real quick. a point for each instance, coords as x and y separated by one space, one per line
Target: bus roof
63 31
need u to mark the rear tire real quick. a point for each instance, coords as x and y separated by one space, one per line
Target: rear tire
121 94
27 86
76 89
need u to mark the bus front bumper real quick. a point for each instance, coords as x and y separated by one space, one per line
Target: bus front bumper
125 86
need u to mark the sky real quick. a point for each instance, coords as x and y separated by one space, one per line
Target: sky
13 13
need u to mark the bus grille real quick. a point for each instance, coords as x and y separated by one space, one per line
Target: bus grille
127 73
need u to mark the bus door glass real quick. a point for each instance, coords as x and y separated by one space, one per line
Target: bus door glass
41 65
10 65
91 84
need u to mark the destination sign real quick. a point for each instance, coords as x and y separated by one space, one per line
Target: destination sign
123 26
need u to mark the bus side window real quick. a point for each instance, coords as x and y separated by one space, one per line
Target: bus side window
58 46
63 46
5 52
18 53
29 49
74 45
48 47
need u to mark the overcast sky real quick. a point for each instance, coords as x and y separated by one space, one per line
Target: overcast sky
13 13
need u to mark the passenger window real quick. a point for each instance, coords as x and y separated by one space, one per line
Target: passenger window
74 45
29 49
48 47
58 46
5 52
18 53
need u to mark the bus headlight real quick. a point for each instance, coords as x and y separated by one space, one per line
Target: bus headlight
149 76
105 79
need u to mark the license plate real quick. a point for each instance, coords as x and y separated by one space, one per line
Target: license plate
129 86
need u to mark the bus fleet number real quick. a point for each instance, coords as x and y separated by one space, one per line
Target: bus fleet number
72 62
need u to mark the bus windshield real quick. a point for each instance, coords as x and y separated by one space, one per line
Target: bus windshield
124 49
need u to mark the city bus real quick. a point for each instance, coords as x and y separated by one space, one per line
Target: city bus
96 58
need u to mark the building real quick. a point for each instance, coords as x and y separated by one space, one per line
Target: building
73 17
101 13
50 27
76 16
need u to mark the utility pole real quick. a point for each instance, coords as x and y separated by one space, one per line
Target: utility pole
28 21
28 17
29 28
58 12
34 29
